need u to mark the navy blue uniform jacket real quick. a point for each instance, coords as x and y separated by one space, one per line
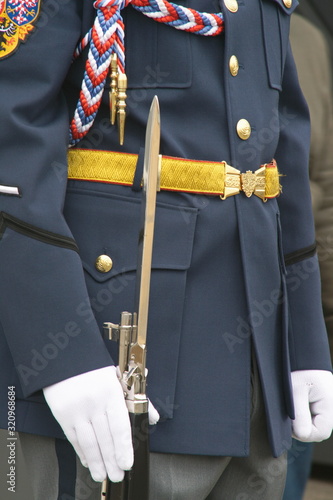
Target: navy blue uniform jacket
230 277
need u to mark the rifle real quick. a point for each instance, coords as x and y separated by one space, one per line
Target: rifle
131 332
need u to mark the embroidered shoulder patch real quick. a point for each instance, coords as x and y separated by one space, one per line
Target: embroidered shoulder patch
16 23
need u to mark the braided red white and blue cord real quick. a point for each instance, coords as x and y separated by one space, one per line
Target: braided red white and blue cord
107 37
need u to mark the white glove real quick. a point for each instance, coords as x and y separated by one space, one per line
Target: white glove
313 400
92 412
153 415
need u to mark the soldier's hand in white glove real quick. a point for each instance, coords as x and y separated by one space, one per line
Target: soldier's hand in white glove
313 400
92 412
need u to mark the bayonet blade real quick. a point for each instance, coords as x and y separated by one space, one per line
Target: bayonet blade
146 234
137 350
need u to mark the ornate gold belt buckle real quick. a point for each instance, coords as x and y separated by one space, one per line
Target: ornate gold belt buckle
249 182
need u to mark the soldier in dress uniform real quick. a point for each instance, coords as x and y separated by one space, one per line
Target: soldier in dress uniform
238 356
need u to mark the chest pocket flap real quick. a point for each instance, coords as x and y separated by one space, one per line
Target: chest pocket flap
276 25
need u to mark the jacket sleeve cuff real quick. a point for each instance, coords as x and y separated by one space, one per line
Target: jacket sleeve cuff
307 352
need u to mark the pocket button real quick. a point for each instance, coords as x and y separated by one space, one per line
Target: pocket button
103 263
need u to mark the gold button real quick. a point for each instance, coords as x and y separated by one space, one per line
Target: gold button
233 65
103 263
243 129
232 5
288 3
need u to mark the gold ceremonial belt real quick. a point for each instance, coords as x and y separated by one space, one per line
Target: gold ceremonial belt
177 174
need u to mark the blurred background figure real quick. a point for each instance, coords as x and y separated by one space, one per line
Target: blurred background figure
320 12
314 64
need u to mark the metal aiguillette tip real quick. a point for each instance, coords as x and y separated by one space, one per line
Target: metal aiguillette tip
113 88
121 106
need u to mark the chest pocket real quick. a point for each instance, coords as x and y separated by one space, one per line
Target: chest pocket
276 24
157 56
